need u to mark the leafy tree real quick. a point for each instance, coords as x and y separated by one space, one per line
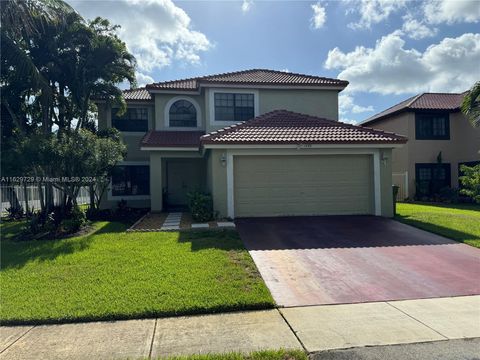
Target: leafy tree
471 181
53 65
471 104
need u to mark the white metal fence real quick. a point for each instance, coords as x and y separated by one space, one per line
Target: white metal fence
32 196
401 180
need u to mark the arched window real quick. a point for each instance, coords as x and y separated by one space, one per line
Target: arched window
182 113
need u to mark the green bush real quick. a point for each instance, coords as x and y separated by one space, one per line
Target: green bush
15 213
76 220
200 206
471 181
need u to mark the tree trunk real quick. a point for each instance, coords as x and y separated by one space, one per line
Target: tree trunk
91 192
10 194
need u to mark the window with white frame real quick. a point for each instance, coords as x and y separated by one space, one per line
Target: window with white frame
234 107
182 113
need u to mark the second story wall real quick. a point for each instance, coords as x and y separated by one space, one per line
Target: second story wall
321 103
130 138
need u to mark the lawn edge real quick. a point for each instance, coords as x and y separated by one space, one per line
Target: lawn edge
147 315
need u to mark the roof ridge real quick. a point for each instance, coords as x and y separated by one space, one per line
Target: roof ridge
279 126
214 77
415 98
135 89
442 93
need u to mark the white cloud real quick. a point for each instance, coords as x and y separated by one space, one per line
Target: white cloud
247 5
372 11
285 70
348 121
452 11
390 68
319 16
417 29
143 79
346 105
157 32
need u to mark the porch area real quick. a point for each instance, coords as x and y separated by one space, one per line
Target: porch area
172 178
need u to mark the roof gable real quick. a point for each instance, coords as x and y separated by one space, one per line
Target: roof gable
425 101
249 77
286 127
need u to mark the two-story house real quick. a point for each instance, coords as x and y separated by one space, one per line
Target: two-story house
440 139
261 142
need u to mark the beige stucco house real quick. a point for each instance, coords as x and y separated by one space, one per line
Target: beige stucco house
440 139
261 142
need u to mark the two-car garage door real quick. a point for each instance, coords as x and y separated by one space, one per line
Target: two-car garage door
303 185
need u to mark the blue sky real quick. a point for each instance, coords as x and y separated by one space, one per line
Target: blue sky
388 50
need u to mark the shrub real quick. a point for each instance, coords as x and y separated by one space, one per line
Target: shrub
15 213
35 224
200 206
471 181
74 222
98 214
449 195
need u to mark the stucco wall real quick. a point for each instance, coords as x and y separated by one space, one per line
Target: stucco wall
156 178
322 103
386 182
463 146
218 179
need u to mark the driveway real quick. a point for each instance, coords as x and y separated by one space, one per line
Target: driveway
353 259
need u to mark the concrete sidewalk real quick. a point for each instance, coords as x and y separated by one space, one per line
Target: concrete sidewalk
313 328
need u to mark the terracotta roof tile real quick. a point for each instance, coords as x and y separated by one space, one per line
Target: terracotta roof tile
250 77
425 101
137 94
286 127
179 139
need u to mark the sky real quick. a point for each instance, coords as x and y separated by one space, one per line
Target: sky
388 50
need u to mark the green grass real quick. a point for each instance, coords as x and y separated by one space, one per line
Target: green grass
257 355
111 274
457 222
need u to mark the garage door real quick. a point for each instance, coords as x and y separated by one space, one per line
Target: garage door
303 185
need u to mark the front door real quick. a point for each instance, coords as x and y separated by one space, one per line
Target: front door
183 176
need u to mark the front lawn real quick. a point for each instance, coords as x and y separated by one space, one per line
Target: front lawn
257 355
457 222
111 274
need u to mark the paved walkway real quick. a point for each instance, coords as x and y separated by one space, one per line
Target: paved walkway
313 328
174 221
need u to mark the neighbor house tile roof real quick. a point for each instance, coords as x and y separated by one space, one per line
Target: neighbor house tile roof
425 101
249 77
286 127
178 139
140 94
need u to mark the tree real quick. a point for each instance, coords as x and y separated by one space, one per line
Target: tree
471 181
471 104
54 65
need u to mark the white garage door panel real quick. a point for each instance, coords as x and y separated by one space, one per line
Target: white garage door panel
303 185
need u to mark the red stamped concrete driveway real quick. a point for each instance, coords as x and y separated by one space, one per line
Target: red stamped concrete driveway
352 259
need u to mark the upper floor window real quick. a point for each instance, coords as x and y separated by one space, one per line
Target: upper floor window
134 119
234 107
182 113
432 126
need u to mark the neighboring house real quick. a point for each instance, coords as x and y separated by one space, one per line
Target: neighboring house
440 139
191 134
